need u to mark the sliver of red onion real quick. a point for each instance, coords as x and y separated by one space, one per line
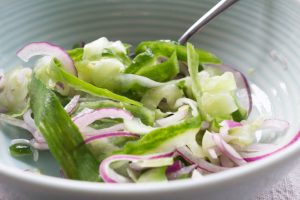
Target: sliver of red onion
275 124
110 176
71 106
261 155
185 153
228 150
109 135
181 172
177 165
34 131
91 116
47 49
89 131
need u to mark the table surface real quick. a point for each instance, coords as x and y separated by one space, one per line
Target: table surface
286 189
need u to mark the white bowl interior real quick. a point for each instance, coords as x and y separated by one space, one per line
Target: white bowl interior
258 37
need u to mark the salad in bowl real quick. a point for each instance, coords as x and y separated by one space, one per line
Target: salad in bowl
166 112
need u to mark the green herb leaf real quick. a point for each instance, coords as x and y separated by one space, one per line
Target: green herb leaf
166 139
81 85
76 54
162 72
63 137
167 49
156 67
144 59
193 63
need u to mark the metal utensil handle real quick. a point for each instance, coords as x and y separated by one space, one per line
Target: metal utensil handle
207 17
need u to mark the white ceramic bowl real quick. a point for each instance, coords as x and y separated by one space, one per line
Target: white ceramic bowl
261 38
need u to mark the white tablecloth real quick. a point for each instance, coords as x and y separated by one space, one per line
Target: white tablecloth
287 189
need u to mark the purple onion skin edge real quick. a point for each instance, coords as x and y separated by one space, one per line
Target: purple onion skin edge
54 46
294 140
175 167
107 135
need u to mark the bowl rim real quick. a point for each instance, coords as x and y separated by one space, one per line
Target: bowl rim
57 183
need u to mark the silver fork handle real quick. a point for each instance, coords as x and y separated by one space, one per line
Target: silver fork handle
206 18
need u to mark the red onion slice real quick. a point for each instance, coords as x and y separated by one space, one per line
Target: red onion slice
226 125
267 124
15 122
261 155
81 113
39 145
244 91
108 135
258 148
21 124
230 124
110 176
71 106
177 165
275 124
228 150
30 122
185 153
89 132
212 153
47 49
91 116
28 119
181 172
226 162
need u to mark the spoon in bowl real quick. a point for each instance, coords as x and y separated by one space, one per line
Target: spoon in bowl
205 19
